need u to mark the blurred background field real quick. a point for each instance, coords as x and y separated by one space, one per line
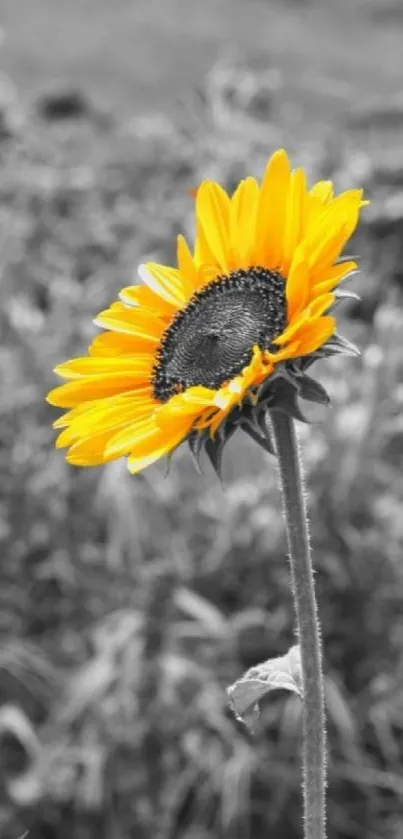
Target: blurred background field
128 604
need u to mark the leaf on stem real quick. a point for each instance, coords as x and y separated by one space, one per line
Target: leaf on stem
282 673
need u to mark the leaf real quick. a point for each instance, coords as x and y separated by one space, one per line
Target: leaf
282 673
312 391
338 344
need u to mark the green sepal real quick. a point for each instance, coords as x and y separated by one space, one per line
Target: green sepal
338 345
196 442
312 391
263 439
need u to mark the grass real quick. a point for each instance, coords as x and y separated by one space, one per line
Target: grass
127 605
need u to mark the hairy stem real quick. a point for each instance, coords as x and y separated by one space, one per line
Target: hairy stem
314 745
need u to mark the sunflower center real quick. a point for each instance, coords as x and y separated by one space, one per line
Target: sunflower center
211 340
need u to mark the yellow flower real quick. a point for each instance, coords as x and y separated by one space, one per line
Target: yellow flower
197 350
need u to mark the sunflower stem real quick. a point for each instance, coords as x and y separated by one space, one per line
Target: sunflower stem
314 732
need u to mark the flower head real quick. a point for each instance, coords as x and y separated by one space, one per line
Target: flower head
196 351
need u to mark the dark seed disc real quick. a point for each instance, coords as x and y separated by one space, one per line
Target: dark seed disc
211 340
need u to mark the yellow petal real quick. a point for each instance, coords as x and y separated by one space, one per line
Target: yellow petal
72 415
212 210
271 211
90 451
141 295
323 190
314 335
321 304
295 217
291 329
243 215
141 322
147 442
208 273
111 413
66 438
336 224
124 441
288 351
97 387
117 343
190 403
154 447
78 368
297 284
164 281
203 255
333 276
327 252
187 268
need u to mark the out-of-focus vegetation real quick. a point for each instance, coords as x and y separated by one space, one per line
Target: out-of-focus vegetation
128 604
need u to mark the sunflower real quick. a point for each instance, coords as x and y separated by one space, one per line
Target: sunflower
197 351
